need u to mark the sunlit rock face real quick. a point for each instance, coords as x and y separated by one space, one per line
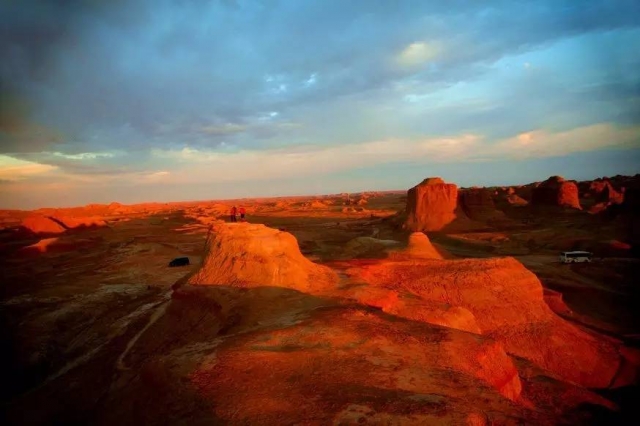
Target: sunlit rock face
506 301
252 255
431 205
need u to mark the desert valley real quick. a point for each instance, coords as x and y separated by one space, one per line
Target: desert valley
437 305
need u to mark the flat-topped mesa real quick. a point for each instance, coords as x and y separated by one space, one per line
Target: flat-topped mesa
556 192
253 255
433 181
431 205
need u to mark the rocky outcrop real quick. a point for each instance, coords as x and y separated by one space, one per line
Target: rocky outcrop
556 192
357 347
526 191
431 205
477 204
415 309
507 303
420 246
253 255
515 200
601 191
41 225
315 205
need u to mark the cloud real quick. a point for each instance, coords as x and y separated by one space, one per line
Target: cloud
90 166
192 165
18 133
418 53
152 177
185 173
12 169
541 143
224 129
313 79
84 155
309 160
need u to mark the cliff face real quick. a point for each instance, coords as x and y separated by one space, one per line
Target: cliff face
556 192
603 192
251 255
478 204
431 205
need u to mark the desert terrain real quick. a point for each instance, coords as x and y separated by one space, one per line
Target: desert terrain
437 305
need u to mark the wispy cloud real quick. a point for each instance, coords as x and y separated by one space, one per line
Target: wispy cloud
12 169
543 143
201 165
84 155
418 53
313 160
223 129
312 80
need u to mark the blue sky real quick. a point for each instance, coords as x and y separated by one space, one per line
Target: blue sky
162 100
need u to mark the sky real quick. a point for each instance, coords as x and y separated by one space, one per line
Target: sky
170 100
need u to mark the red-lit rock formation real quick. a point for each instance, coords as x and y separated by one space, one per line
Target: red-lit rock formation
252 255
357 347
477 204
515 200
431 205
556 192
42 225
507 303
420 246
602 191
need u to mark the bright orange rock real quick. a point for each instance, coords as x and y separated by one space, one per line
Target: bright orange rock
252 255
42 225
431 205
507 302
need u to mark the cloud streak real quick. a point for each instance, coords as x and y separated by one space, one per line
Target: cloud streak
12 169
201 166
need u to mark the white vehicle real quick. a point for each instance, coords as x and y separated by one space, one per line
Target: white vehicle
575 256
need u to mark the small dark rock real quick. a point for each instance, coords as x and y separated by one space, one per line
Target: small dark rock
179 261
